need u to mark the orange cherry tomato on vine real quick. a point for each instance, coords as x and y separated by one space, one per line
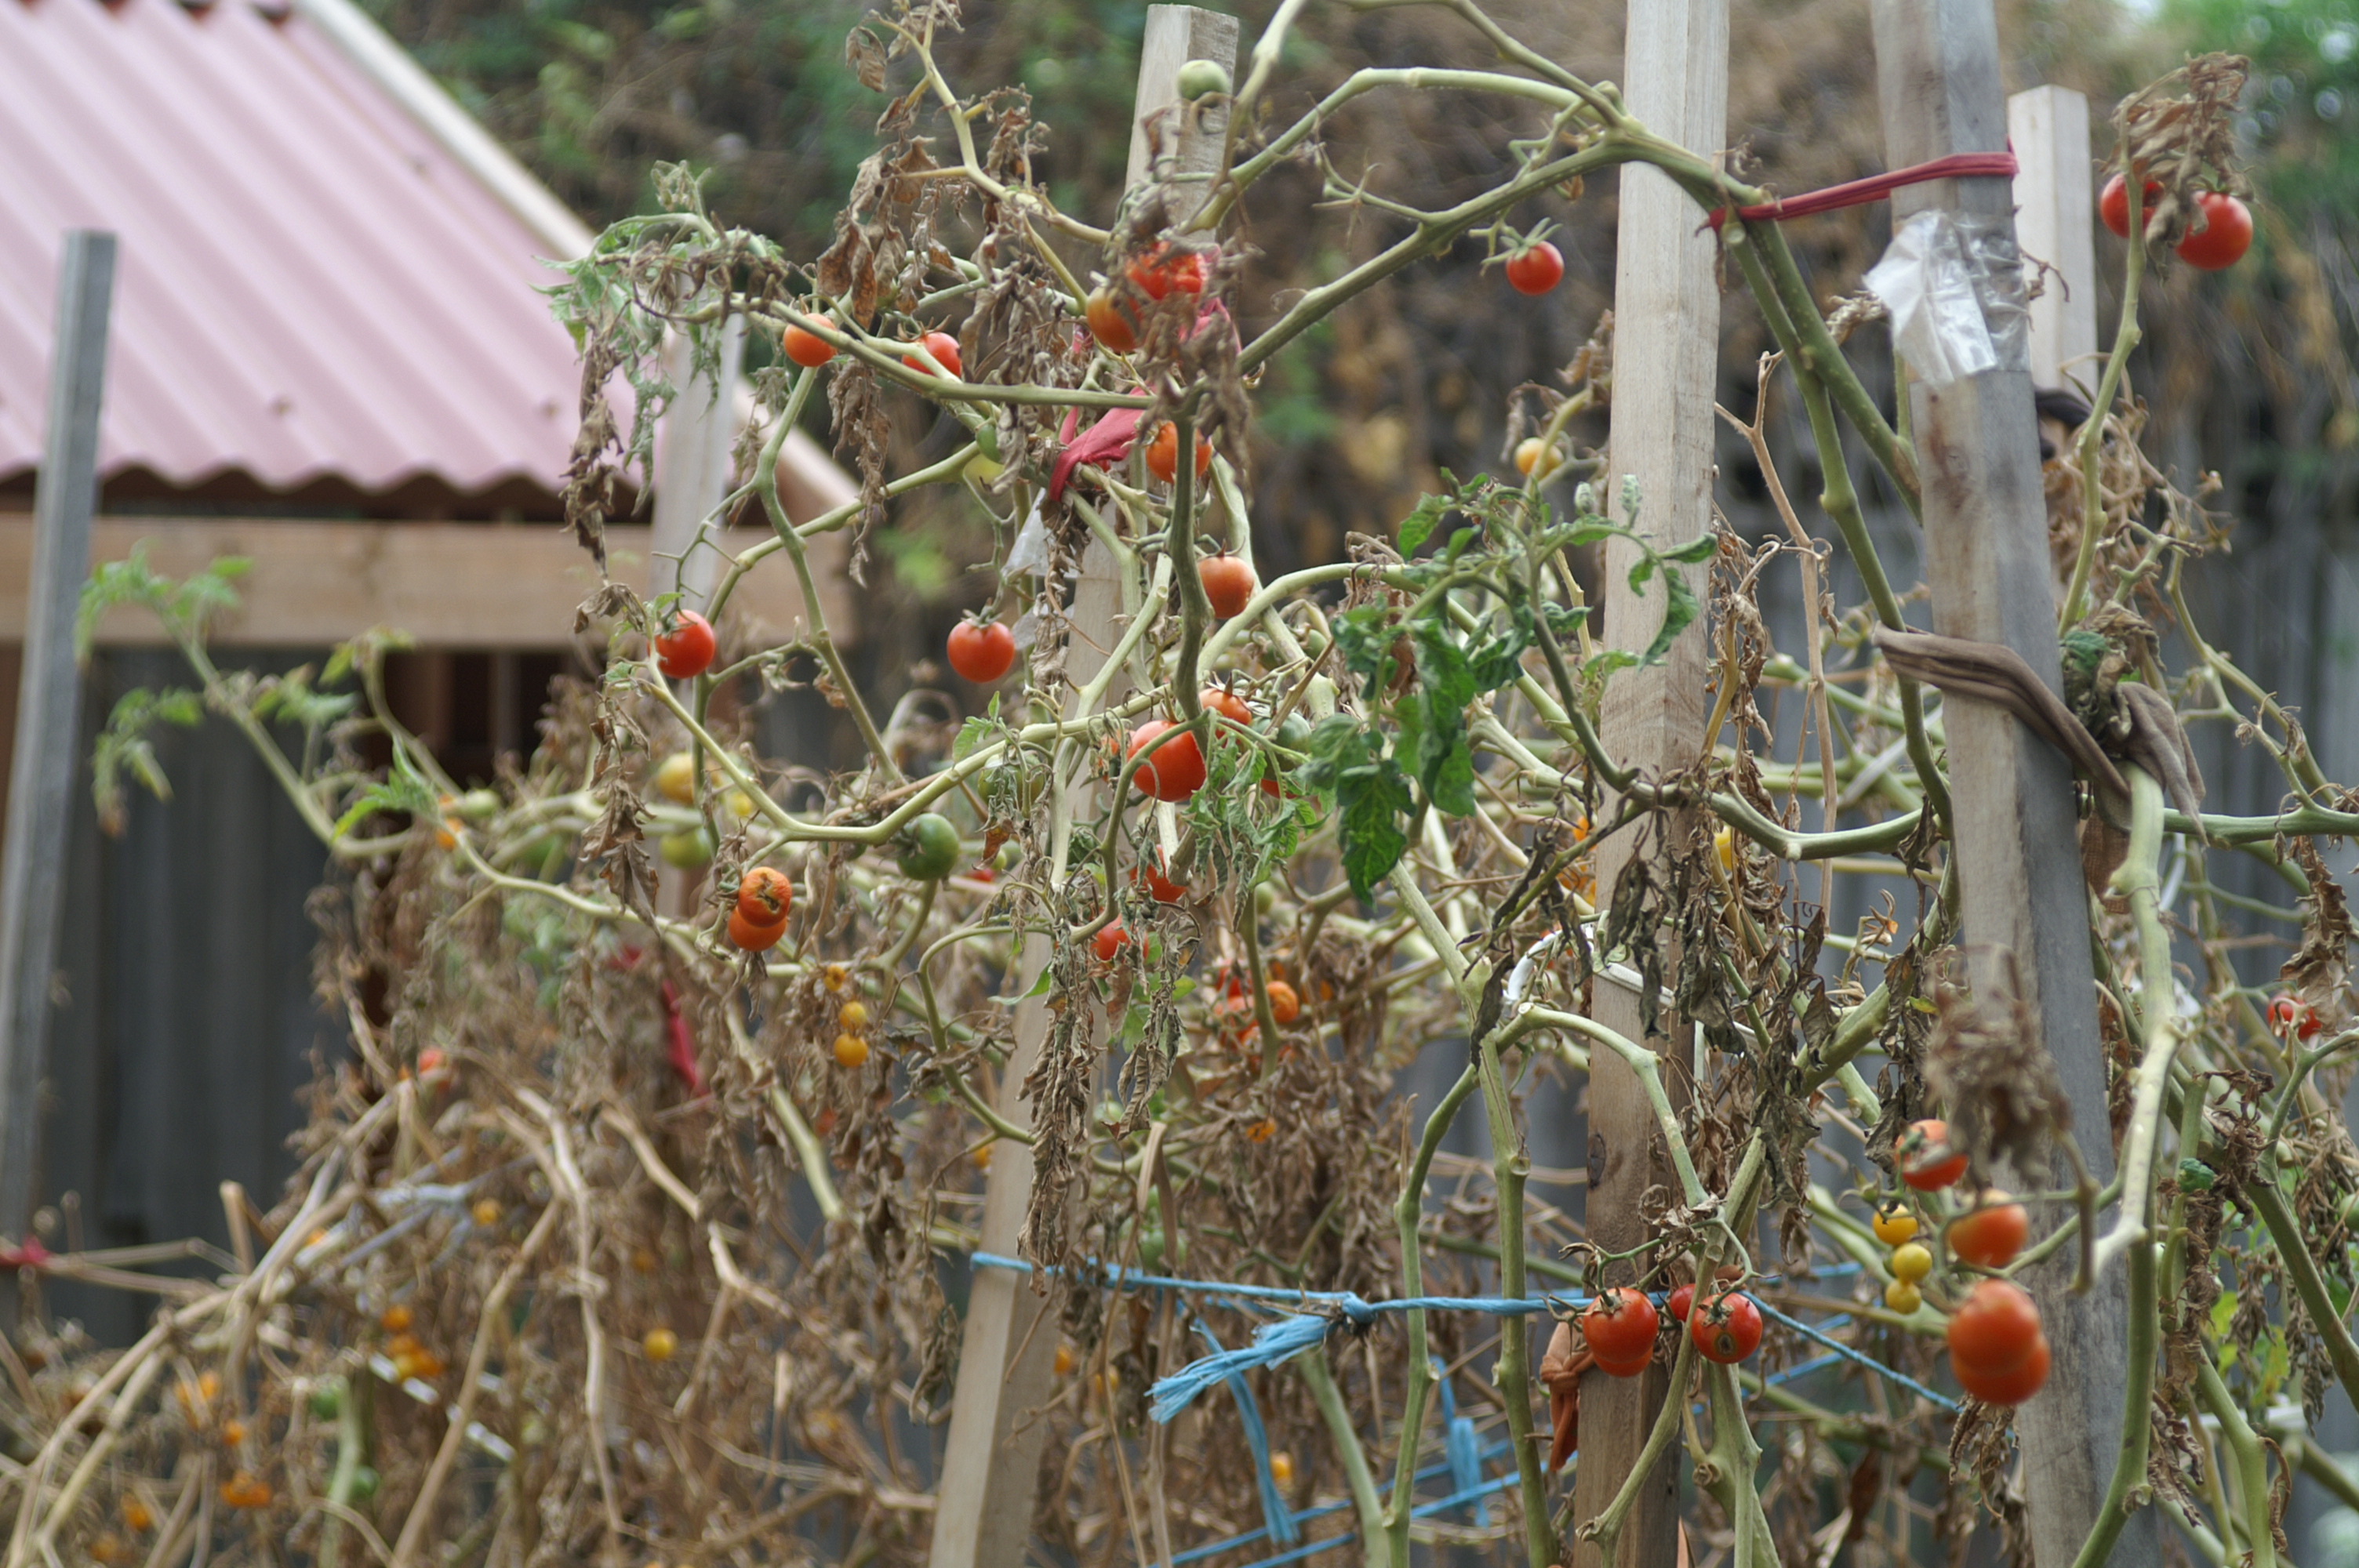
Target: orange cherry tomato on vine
850 1051
1923 1162
1108 325
1993 1234
685 651
1163 453
1176 770
765 896
1109 940
1678 1301
2286 1012
1725 1329
753 936
1225 703
981 651
2010 1388
2113 203
942 346
2227 235
1535 269
1619 1327
1228 582
1285 1005
1994 1329
1162 270
808 350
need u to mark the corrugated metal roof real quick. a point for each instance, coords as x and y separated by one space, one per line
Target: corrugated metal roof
310 286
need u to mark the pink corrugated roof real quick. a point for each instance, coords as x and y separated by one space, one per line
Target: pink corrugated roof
309 287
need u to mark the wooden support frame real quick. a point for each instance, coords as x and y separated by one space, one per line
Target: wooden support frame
49 711
2056 222
1987 558
1666 353
982 1515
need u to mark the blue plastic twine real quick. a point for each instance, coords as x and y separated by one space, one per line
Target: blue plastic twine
1462 1449
1276 1517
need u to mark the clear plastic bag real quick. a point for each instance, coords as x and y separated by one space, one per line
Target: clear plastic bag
1955 289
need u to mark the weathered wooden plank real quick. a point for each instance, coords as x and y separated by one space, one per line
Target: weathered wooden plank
1667 325
991 1461
449 585
2055 222
693 465
1987 558
49 710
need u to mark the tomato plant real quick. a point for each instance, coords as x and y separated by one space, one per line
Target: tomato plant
1725 1327
2225 236
1173 770
1926 1163
1229 584
765 894
1110 325
981 651
1619 1327
1990 1233
1535 269
685 649
805 348
930 850
943 348
1163 454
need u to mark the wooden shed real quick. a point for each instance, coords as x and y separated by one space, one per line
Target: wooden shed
327 355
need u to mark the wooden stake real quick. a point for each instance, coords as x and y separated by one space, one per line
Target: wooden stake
692 467
49 711
1667 355
1987 558
983 1513
2055 222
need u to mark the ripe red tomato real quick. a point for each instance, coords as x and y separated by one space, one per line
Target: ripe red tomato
1109 324
1619 1327
765 896
807 349
1994 1329
1175 771
1162 269
1109 940
1161 888
1993 1234
1285 1005
685 651
981 651
2113 203
2227 233
1924 1163
1536 270
1228 582
2011 1387
942 346
1225 703
1678 1301
1163 453
753 935
2289 1012
1726 1328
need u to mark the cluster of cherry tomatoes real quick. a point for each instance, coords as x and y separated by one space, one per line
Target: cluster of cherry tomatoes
2221 242
1997 1348
851 1040
759 918
1620 1324
810 351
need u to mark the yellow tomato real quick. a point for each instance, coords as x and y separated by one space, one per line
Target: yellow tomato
1894 1224
1911 1262
660 1345
1903 1297
1531 452
1064 1360
676 779
1725 842
851 1050
853 1018
1281 1467
486 1212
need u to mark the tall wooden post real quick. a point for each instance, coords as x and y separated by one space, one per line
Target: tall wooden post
1667 355
49 710
1987 558
692 467
2056 221
983 1513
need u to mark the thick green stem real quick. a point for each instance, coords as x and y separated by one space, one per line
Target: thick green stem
2138 881
1409 1213
1510 1165
1607 1528
2251 1466
1356 1474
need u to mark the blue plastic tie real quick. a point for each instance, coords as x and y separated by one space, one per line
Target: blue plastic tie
1463 1448
1276 1517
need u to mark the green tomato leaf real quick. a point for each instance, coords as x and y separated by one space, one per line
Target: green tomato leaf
1695 552
1419 525
1682 609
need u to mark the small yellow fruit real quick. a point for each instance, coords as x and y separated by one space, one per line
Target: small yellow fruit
1894 1224
854 1017
660 1345
983 470
850 1051
244 1491
676 779
644 1260
394 1319
1903 1297
136 1517
233 1432
1531 452
1281 1467
1064 1360
1911 1262
741 804
833 976
981 1157
486 1212
108 1547
1725 842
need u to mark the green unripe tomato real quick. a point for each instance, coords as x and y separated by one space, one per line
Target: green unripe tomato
2195 1176
688 851
364 1483
1265 898
1151 1246
930 848
1293 732
1202 78
328 1400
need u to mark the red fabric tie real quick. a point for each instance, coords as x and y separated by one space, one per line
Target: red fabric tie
1875 188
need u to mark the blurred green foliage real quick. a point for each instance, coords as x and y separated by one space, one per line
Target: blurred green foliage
2302 109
